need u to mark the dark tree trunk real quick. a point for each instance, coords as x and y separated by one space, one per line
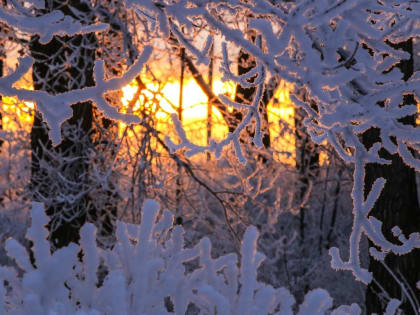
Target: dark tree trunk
209 124
307 165
2 57
111 48
1 114
245 96
397 206
59 175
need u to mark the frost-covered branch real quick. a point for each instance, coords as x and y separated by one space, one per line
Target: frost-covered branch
56 109
48 25
340 53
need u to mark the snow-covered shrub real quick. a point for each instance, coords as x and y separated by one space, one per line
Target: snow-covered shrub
144 269
266 197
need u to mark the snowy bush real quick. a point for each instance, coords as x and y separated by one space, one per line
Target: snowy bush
341 56
145 274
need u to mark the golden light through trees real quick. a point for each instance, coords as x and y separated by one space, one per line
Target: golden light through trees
280 111
194 102
23 110
281 120
163 101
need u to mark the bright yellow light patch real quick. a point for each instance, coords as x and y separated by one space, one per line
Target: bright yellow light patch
194 102
195 107
161 101
281 119
18 114
23 111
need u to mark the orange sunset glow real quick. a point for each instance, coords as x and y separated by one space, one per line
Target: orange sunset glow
194 113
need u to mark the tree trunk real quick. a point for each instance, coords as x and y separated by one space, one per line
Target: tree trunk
245 96
397 206
59 175
2 58
1 114
307 166
116 48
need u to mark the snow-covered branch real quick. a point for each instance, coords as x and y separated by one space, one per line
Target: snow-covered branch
340 54
56 109
48 25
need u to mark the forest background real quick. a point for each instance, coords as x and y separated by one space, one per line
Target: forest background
293 117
